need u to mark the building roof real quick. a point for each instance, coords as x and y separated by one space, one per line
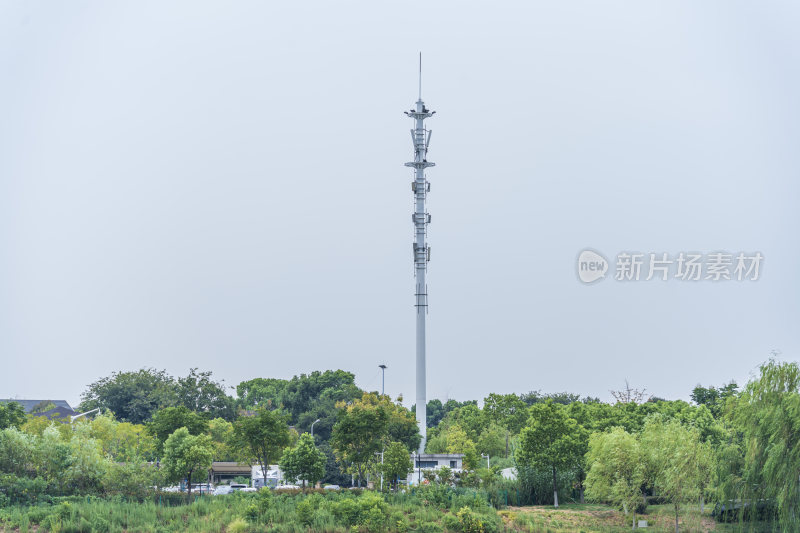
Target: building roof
28 405
57 413
220 467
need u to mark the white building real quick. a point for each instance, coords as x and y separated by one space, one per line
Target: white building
274 476
434 461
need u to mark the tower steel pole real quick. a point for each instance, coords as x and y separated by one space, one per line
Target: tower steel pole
420 186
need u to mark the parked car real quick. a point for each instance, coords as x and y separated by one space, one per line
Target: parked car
331 487
202 488
238 486
223 490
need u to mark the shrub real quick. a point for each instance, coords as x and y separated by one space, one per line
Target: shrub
305 512
429 527
469 521
451 522
399 522
237 526
375 520
37 514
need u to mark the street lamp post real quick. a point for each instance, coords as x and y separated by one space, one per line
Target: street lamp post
383 379
487 459
312 426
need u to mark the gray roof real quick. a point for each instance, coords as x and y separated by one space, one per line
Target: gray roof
28 405
57 413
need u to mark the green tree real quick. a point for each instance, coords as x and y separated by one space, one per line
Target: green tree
261 437
122 441
551 439
17 450
52 458
676 460
306 398
492 441
199 392
616 474
767 415
221 433
87 465
186 455
396 463
360 432
459 442
131 396
11 415
165 421
506 410
304 461
260 392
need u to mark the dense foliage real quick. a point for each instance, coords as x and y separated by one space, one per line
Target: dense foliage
737 449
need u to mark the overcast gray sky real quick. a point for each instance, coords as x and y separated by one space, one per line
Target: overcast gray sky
221 185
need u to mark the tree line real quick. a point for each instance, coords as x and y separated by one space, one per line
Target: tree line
726 445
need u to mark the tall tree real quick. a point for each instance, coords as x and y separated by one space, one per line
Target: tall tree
675 456
131 396
199 392
167 420
304 461
262 437
359 433
187 455
551 439
616 474
767 414
396 463
506 410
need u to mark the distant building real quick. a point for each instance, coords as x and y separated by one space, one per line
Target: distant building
434 461
61 414
29 405
226 471
59 409
274 476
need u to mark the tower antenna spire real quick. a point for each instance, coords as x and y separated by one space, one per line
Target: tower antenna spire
420 76
421 137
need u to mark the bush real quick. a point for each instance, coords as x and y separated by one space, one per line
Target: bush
305 512
24 490
237 526
257 510
375 520
469 522
429 527
451 522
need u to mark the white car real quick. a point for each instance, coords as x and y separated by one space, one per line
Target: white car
331 487
223 490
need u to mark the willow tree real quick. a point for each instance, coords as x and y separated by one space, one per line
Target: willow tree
617 470
677 460
768 416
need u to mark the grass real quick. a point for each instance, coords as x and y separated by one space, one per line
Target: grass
343 512
594 518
